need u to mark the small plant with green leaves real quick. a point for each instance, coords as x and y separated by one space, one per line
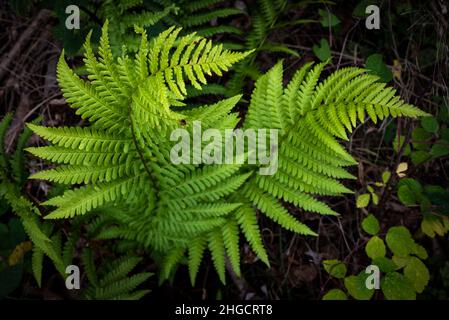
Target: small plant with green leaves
177 211
205 17
399 259
429 141
433 203
46 239
374 190
265 20
12 178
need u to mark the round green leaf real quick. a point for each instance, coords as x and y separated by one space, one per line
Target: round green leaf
335 294
386 176
377 66
356 286
413 185
335 268
400 241
397 287
417 273
363 200
375 248
370 225
430 124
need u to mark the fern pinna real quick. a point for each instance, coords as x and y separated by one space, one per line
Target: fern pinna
179 211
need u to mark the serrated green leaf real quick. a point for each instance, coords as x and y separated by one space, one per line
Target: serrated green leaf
335 268
386 176
375 248
397 287
418 274
400 241
406 196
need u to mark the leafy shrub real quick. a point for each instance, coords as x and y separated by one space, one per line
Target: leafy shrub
403 272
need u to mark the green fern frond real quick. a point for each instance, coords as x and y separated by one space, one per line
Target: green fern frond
217 250
37 261
230 235
82 200
115 284
196 250
177 211
17 159
202 18
87 139
247 220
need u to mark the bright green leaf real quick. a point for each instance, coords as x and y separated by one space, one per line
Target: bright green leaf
417 273
400 241
397 287
363 200
335 294
356 286
375 248
335 268
370 225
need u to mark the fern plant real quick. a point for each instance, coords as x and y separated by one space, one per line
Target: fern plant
123 15
114 283
199 16
178 211
264 16
406 256
12 179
